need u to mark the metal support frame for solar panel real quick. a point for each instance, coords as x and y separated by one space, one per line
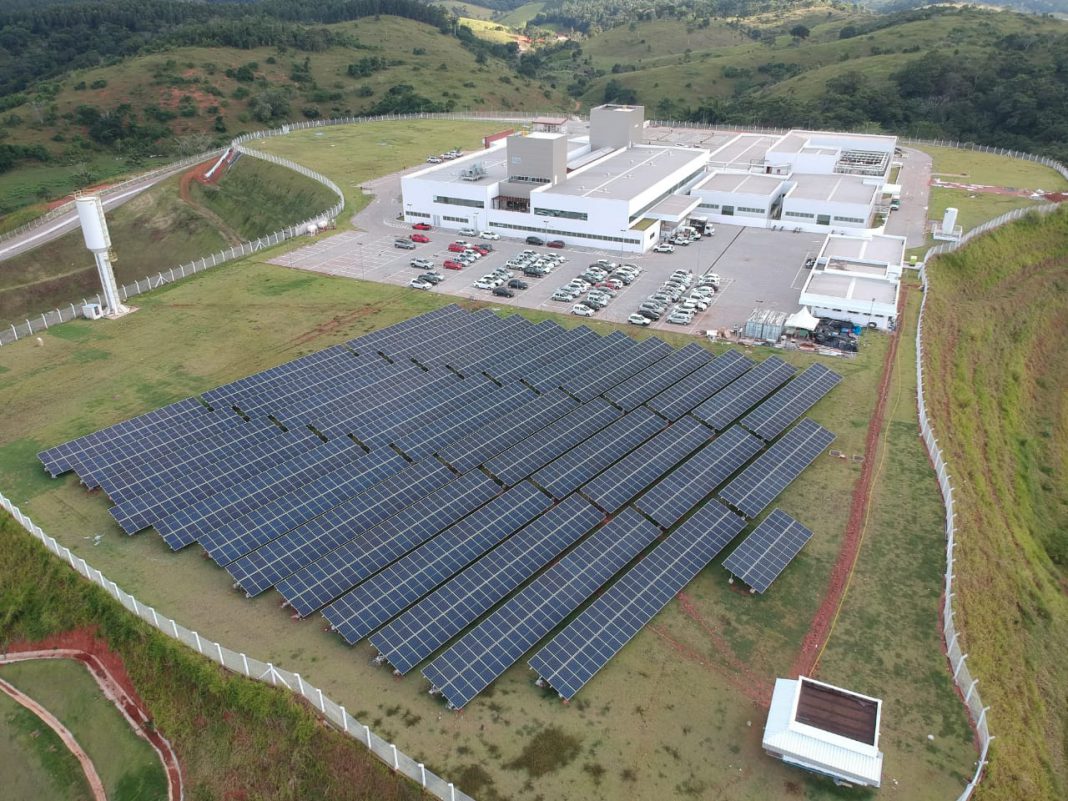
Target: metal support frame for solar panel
775 415
637 389
758 485
425 627
636 471
736 398
667 501
501 639
587 644
385 595
566 474
560 436
335 573
764 554
700 385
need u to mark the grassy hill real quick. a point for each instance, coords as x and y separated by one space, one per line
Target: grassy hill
997 395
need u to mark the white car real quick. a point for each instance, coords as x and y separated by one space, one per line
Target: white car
637 319
582 310
490 235
664 247
468 232
419 283
484 284
421 264
433 160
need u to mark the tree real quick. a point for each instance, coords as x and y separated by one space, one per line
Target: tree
800 32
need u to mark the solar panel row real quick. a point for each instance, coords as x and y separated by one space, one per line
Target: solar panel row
699 385
639 388
774 415
730 403
764 554
598 380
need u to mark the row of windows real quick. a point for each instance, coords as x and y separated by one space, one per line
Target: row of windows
454 219
709 206
572 234
524 179
752 211
417 214
802 214
460 201
567 215
849 219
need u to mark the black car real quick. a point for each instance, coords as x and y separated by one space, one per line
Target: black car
535 240
515 283
503 292
650 314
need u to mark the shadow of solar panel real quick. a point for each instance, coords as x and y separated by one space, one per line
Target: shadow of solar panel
250 531
270 563
557 438
566 474
419 632
759 484
700 385
495 644
731 402
338 571
775 415
187 524
501 434
362 610
636 471
639 388
597 380
586 645
765 553
667 501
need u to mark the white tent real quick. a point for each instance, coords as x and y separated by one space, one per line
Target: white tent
803 319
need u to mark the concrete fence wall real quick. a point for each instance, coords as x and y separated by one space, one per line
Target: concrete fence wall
251 667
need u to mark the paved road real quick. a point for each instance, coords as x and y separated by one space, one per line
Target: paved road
910 221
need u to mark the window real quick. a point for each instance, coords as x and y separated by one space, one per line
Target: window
459 201
800 214
525 179
752 211
567 215
454 219
553 232
709 206
850 219
417 214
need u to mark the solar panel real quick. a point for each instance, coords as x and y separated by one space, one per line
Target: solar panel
639 388
261 569
765 553
383 596
687 485
556 372
416 634
759 484
586 645
509 363
336 572
774 415
632 474
698 386
730 403
543 446
484 653
593 382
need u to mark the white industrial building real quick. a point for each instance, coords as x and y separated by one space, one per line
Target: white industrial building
610 190
825 729
856 279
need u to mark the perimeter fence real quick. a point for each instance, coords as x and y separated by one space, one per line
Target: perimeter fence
248 666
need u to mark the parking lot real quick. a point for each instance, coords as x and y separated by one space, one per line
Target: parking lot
757 269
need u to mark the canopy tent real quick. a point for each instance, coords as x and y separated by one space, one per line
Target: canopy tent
803 320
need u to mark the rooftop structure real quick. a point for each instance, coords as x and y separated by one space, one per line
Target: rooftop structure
833 189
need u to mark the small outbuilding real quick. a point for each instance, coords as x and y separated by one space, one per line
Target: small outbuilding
825 729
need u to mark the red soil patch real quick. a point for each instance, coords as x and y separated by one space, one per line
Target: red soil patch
89 649
85 191
820 630
198 174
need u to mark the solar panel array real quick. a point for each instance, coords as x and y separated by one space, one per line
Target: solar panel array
765 553
444 475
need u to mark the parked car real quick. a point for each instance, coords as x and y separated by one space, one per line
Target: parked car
680 318
535 240
664 247
452 265
456 247
419 283
404 244
421 226
649 314
433 160
555 243
422 264
433 277
423 238
582 310
563 297
503 292
638 319
490 235
515 283
468 232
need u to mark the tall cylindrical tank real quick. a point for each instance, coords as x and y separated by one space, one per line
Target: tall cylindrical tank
949 221
94 227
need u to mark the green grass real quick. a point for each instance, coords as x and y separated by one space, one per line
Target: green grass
470 10
998 313
975 167
34 761
519 17
126 764
974 208
490 30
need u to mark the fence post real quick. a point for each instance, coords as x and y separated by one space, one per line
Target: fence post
422 775
396 762
244 663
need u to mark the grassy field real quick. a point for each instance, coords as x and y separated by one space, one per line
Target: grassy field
997 398
722 645
127 765
33 760
490 30
990 169
519 17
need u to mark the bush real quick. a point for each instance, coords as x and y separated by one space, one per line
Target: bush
98 84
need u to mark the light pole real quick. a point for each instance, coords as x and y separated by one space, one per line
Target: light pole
622 242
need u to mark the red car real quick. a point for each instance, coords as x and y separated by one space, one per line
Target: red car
453 265
555 243
481 250
421 227
419 238
456 247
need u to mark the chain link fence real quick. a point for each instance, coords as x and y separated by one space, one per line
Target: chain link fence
248 666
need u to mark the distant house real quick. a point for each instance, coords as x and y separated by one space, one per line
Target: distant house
825 729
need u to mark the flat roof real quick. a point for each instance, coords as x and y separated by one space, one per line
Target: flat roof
829 142
741 183
626 174
674 208
542 135
832 188
549 120
850 287
879 248
837 711
743 148
494 160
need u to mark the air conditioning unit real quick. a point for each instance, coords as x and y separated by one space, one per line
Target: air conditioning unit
92 311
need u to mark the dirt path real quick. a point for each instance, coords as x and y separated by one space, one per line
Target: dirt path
50 720
107 670
819 631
